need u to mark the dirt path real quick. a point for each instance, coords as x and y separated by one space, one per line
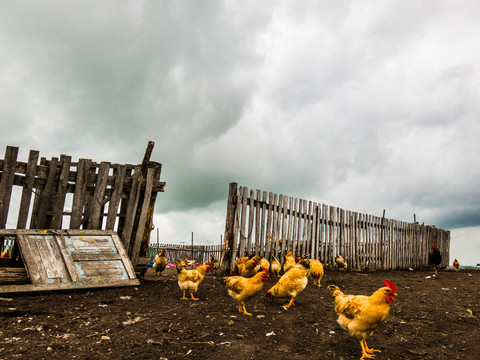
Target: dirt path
431 319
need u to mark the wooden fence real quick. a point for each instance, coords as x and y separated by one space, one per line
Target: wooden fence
82 195
270 224
199 253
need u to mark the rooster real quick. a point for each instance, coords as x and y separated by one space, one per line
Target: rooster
291 283
342 264
214 261
435 258
289 262
316 271
160 262
244 289
241 260
456 265
190 279
248 269
275 266
361 315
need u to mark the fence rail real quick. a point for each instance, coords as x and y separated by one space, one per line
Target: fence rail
269 224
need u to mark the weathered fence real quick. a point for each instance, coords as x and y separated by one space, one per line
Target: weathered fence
198 253
269 224
82 195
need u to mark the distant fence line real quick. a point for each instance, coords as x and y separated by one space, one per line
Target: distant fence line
270 224
199 253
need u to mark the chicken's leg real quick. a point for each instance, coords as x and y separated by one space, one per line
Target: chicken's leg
245 311
193 298
184 297
290 303
366 352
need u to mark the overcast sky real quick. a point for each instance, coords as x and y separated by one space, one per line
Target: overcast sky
363 105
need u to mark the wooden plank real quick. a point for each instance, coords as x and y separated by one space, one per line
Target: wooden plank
250 222
27 189
61 193
236 225
117 191
27 288
45 198
131 210
78 202
81 256
242 200
263 238
32 260
258 233
98 200
285 217
143 218
68 259
6 183
123 253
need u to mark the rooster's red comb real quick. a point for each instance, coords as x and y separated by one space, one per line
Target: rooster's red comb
391 285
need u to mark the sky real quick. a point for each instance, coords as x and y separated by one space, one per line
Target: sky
366 106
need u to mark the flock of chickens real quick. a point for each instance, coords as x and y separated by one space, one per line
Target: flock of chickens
358 314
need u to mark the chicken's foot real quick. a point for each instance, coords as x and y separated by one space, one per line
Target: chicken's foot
245 311
193 298
366 352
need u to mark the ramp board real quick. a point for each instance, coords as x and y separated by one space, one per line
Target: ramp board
71 259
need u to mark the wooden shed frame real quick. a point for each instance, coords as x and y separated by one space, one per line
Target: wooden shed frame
85 195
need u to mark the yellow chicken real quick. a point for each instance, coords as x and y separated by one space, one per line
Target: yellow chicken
289 262
291 283
361 315
456 265
342 264
244 289
316 271
275 266
190 279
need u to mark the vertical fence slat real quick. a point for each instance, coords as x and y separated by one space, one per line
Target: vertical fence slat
27 189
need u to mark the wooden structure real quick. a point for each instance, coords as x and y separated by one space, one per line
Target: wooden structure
69 259
270 224
199 253
58 193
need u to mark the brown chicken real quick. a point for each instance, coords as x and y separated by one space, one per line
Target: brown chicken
289 262
456 265
361 315
188 263
275 266
291 283
214 261
248 269
241 260
342 264
244 289
316 271
190 279
160 262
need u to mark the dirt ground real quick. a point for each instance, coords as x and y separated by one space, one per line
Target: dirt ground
433 318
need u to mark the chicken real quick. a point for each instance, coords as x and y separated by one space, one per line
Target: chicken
249 269
435 258
361 315
188 263
316 271
244 289
263 264
160 262
291 283
241 260
214 261
289 262
275 266
456 265
342 264
5 254
190 279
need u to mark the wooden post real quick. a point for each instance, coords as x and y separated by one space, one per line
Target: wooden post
228 244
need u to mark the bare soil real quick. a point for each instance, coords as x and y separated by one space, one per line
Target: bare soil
433 318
